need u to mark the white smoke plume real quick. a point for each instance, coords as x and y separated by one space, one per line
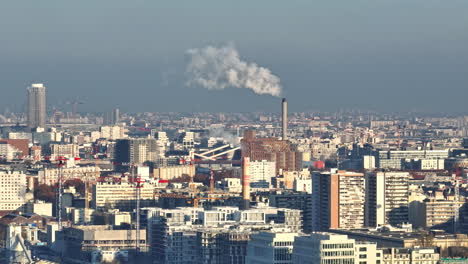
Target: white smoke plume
216 68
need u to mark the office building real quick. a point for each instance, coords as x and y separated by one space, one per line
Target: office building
37 106
395 159
387 196
324 248
270 247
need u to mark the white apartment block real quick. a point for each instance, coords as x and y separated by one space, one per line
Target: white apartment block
410 256
324 248
12 190
261 173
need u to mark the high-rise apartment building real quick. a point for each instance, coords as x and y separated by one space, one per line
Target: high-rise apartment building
135 150
387 195
37 106
338 200
13 191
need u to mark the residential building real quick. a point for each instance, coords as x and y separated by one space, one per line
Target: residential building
338 200
387 196
12 191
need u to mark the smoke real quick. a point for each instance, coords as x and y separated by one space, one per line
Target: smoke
217 68
229 138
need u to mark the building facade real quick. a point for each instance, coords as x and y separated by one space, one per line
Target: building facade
37 106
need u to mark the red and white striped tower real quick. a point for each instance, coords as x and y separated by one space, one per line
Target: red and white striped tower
245 183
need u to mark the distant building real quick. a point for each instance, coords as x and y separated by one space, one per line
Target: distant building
136 151
395 159
50 176
64 150
14 148
113 132
271 149
37 106
171 172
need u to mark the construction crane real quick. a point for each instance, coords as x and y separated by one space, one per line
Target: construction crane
74 105
61 163
138 185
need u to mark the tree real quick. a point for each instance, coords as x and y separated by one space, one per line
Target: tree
77 183
426 240
44 192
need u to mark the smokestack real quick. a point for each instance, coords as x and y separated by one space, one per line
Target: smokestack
284 110
245 183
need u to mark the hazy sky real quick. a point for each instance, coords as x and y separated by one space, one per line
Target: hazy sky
385 55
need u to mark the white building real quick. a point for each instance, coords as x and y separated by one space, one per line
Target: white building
12 190
333 248
270 247
261 173
113 132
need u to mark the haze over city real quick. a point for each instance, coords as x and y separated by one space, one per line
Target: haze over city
234 132
371 55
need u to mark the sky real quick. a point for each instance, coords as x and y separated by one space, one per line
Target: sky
383 55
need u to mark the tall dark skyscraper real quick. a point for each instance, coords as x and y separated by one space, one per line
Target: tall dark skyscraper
37 106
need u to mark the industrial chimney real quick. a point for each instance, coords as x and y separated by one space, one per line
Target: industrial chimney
245 183
284 110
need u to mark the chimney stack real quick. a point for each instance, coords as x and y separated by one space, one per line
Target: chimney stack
284 110
245 183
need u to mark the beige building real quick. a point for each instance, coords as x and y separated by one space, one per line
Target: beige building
12 191
387 198
113 132
63 150
438 213
50 175
410 256
121 196
172 172
99 243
